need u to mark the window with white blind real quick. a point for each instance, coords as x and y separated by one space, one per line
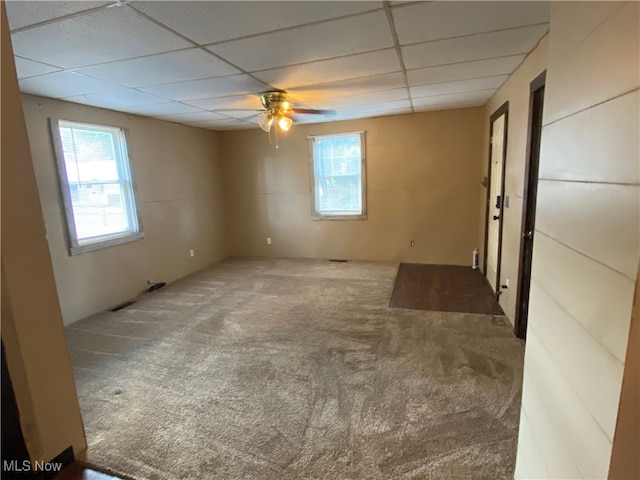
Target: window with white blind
339 180
96 185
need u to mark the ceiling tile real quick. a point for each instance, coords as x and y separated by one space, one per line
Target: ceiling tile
209 22
21 13
393 106
234 102
465 70
476 47
169 67
320 96
28 68
350 101
355 86
103 36
332 70
247 114
306 44
208 88
458 86
64 84
456 100
425 21
193 117
162 109
117 99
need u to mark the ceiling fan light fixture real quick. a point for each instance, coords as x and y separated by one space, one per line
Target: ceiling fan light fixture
285 123
266 122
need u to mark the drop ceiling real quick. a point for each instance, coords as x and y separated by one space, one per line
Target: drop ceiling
204 63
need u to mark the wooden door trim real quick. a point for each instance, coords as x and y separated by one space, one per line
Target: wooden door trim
519 321
503 109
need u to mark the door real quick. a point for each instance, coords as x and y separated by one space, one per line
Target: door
536 102
495 198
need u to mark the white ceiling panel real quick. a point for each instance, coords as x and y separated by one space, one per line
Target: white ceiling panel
103 36
28 68
475 47
117 99
346 102
394 106
332 70
426 21
466 70
234 102
317 93
208 88
306 44
156 109
64 84
178 66
194 117
209 22
456 100
458 87
23 13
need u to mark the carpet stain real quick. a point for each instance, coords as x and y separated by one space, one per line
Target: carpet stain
296 369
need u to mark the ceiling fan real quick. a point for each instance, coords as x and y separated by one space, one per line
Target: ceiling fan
278 110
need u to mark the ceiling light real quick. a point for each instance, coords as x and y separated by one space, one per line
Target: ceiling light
266 122
285 123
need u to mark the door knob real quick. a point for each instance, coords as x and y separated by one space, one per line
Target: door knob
528 235
496 217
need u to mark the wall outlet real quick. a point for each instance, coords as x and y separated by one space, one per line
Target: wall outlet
506 282
268 240
192 253
412 243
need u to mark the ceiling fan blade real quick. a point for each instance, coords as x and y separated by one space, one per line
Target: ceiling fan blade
311 111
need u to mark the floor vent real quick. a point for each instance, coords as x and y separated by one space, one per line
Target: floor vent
122 305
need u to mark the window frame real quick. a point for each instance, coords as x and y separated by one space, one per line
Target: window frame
317 215
125 175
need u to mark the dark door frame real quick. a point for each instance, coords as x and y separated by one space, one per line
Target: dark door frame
504 109
529 197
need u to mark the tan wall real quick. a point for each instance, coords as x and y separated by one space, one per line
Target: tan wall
423 174
32 329
515 91
177 174
586 242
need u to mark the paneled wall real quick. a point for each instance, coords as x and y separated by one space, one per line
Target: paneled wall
179 188
586 242
423 181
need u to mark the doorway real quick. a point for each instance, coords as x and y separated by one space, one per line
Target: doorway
530 194
495 196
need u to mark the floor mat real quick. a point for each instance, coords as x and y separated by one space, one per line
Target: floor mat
443 288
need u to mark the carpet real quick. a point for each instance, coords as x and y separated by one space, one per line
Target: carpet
443 288
295 369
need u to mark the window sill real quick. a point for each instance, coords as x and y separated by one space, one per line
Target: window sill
106 243
317 216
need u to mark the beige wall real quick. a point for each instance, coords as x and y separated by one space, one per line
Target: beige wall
586 242
423 174
515 91
179 189
32 329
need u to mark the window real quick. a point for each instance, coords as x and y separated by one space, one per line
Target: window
338 167
96 186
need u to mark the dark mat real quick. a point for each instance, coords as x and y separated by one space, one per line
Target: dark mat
443 288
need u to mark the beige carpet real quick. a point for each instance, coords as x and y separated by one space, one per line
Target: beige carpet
296 369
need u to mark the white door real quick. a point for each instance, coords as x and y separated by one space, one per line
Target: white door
495 201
